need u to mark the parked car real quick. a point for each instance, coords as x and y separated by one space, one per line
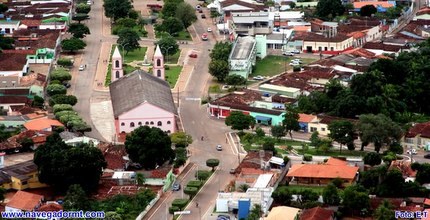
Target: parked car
296 51
232 171
205 37
81 67
176 187
66 84
293 63
193 55
427 156
203 16
288 53
258 78
209 30
297 61
219 147
414 151
223 217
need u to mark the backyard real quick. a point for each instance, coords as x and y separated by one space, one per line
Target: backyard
172 74
274 65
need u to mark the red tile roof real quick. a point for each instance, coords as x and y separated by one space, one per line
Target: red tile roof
50 207
427 201
384 47
325 119
374 3
13 61
317 213
310 36
322 171
422 129
360 52
14 99
305 118
404 167
42 124
25 201
31 23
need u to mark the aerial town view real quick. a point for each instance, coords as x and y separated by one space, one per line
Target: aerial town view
215 109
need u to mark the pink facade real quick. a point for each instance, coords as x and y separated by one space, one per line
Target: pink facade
146 114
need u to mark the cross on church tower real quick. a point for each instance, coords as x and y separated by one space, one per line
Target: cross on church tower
158 67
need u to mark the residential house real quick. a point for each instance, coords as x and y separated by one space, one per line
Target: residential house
43 124
13 144
423 14
317 213
24 202
230 6
405 168
278 39
418 136
381 6
20 120
26 39
14 62
22 176
243 56
321 174
282 19
283 213
321 124
380 48
255 196
249 102
7 101
140 99
316 43
304 120
8 26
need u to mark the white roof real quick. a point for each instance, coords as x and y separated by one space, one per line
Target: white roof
286 15
116 53
299 23
250 17
344 69
124 175
276 160
158 52
263 180
279 88
236 7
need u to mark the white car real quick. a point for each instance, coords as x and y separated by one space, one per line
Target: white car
258 78
81 67
288 53
209 30
292 63
296 61
219 147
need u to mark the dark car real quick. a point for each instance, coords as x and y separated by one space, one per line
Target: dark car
176 187
427 156
66 84
203 16
223 217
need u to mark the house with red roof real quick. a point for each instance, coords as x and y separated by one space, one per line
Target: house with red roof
317 213
322 174
24 201
304 120
418 136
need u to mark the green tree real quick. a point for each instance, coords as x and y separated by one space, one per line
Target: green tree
235 80
113 216
282 195
141 21
219 69
73 44
3 8
133 14
367 10
62 107
331 195
6 43
80 17
60 74
355 198
341 131
379 130
55 89
384 211
423 174
76 199
315 139
255 213
181 139
221 51
128 39
169 8
26 143
372 158
243 187
83 8
61 165
65 62
168 45
277 131
394 12
260 132
38 101
392 184
269 145
116 9
63 99
170 25
186 14
149 146
191 191
140 178
328 9
239 121
212 163
291 120
2 191
126 22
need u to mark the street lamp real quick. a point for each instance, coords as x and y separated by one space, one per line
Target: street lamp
167 52
122 46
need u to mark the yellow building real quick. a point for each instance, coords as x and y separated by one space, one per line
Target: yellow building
20 176
417 137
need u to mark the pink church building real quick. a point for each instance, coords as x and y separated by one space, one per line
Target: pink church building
141 98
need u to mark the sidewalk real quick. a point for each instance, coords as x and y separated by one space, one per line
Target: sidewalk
187 70
150 30
102 67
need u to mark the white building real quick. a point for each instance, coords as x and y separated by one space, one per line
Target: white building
226 202
7 27
243 56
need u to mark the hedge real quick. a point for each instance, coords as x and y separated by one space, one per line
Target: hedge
180 203
307 157
191 191
173 209
62 107
195 183
203 175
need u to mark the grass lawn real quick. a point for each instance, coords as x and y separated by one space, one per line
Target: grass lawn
128 69
333 153
135 55
173 59
215 89
317 189
273 65
172 75
183 35
108 75
141 31
250 141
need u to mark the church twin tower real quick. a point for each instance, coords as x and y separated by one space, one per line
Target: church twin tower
157 68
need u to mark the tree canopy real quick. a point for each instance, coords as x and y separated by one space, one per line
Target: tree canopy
235 80
341 131
181 139
128 39
291 120
73 44
170 25
367 10
219 69
168 45
149 146
372 159
186 14
117 9
62 165
329 9
239 121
